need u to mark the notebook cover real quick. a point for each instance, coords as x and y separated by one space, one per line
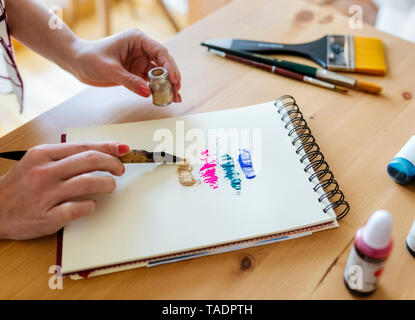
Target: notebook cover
195 253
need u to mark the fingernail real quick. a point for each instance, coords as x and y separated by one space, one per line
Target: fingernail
123 169
143 90
176 77
123 148
178 86
180 97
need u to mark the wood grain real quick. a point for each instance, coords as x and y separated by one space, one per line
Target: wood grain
199 9
358 133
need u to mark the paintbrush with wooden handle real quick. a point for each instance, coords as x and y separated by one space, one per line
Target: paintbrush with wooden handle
133 156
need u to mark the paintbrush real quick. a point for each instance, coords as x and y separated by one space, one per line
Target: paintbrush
133 156
305 70
333 52
281 71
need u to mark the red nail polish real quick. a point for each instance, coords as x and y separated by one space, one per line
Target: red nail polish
123 148
144 90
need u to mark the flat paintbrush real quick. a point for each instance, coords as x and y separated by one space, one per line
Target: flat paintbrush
280 71
133 156
319 73
332 52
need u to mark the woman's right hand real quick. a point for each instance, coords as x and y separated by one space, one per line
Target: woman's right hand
40 194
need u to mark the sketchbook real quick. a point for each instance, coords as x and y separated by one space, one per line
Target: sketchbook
253 175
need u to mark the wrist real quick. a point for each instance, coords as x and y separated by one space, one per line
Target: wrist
75 61
71 58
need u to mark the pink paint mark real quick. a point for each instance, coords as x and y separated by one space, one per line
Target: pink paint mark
208 170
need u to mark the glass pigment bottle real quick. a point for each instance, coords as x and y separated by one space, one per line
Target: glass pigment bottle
160 86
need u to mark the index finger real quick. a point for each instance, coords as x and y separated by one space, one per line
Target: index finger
60 151
159 54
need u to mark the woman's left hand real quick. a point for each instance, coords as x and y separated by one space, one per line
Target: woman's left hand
123 59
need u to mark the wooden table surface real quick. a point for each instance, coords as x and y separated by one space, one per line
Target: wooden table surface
358 133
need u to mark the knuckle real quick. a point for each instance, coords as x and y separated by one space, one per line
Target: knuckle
36 153
84 147
133 35
93 157
164 52
110 147
131 81
37 176
67 212
134 32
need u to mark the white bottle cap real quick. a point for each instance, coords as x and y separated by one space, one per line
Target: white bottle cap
408 151
378 229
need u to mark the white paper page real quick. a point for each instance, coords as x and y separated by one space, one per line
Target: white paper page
151 214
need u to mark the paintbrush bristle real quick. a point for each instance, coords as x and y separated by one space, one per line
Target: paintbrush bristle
368 87
369 56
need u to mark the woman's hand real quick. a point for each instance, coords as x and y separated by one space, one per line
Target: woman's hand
123 59
40 194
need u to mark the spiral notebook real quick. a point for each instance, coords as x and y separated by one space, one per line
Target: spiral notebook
257 176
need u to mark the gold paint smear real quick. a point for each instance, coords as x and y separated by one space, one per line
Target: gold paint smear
185 174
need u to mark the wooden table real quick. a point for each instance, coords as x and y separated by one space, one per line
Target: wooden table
358 133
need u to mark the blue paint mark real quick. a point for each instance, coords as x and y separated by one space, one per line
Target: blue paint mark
229 167
245 161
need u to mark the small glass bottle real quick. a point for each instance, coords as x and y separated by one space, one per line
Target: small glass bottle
160 86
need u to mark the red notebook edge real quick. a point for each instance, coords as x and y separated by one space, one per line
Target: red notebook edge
60 232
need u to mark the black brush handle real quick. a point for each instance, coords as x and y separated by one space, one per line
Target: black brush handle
12 155
133 156
315 50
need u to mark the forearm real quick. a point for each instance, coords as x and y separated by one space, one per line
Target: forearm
29 23
121 59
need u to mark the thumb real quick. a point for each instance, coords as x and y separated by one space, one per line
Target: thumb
134 83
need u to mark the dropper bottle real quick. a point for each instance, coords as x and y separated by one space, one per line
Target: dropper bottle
373 244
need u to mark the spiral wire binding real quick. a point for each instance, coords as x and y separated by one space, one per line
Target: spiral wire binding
331 190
